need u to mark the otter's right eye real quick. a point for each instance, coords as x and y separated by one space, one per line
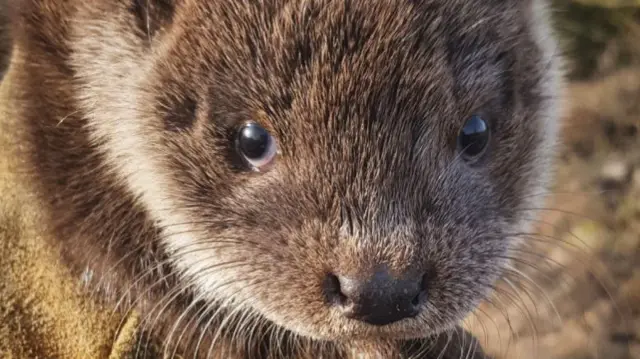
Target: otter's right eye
256 146
473 138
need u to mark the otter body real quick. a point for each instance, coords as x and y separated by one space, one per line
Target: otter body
288 178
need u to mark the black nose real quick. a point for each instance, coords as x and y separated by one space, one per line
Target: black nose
378 300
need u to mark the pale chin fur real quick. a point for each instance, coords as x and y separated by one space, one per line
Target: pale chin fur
126 137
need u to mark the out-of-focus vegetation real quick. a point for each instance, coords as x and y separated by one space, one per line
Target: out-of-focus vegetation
598 36
609 3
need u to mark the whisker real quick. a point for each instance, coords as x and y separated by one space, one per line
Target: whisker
539 288
177 290
181 252
482 325
204 308
446 346
571 193
505 314
602 285
562 211
523 310
499 294
149 271
238 307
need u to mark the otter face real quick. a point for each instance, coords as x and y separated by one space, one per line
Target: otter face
346 169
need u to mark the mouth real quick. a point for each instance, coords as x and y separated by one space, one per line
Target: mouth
380 324
408 329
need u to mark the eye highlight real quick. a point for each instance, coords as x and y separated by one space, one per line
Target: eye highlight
473 138
256 146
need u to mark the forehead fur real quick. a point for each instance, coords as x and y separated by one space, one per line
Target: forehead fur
272 52
344 68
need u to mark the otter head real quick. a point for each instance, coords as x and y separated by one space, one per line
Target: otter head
344 169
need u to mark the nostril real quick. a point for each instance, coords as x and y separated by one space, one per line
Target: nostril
417 300
332 290
421 298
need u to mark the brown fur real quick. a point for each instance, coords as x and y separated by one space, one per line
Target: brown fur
365 98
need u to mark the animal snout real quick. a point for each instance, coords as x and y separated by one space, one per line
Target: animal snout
380 299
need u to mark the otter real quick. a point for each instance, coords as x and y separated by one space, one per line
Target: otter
288 178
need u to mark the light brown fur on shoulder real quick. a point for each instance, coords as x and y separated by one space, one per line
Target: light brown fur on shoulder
44 311
132 113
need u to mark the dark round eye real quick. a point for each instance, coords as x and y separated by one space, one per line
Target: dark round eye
256 146
473 137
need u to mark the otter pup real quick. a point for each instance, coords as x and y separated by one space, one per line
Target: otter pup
289 178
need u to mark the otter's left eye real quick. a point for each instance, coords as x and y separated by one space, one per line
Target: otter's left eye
473 138
256 146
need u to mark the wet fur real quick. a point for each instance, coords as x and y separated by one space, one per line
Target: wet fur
130 109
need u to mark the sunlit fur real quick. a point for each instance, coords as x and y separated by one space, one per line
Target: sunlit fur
131 109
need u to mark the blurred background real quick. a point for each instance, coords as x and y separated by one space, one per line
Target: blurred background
575 292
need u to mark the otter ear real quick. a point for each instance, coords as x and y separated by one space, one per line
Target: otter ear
152 16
